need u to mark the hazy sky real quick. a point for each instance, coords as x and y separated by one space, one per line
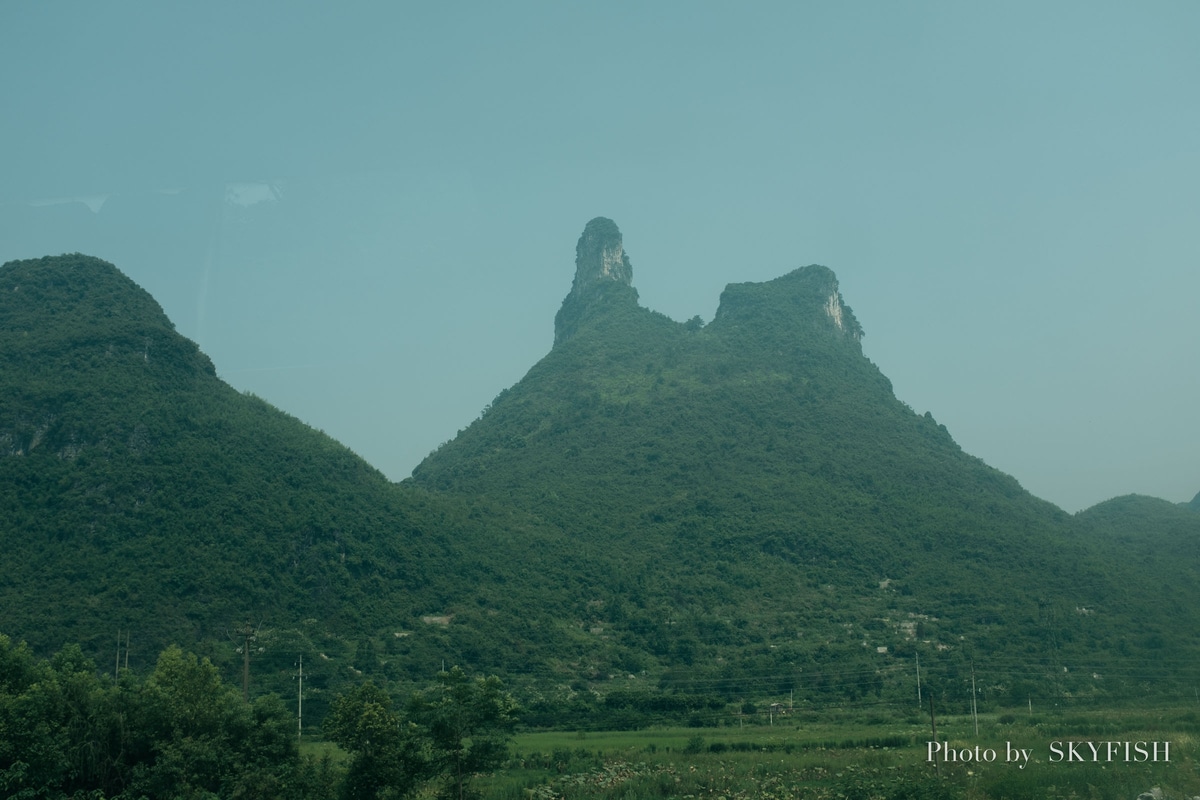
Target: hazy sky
366 213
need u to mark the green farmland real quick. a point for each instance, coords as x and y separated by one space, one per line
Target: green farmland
851 755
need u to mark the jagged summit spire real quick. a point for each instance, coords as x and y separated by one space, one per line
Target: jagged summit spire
602 270
600 256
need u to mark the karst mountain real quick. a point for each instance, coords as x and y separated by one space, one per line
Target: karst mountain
732 510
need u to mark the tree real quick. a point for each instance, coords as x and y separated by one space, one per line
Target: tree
468 724
202 740
447 733
390 756
33 744
180 734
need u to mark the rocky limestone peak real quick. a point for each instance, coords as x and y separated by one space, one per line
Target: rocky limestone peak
602 273
802 302
600 256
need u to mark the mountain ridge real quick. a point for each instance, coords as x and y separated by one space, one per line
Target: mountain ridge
769 461
691 505
140 492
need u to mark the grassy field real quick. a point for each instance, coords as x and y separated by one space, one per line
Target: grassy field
855 756
862 757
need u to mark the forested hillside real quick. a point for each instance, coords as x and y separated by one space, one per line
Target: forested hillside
761 503
141 496
661 520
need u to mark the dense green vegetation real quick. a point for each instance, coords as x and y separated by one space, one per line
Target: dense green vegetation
447 734
140 494
180 732
759 510
662 524
858 755
183 733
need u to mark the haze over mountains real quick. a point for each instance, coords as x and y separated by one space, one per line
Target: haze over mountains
738 508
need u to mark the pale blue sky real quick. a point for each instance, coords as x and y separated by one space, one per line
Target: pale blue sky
366 213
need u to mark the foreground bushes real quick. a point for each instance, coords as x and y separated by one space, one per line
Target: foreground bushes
181 732
66 732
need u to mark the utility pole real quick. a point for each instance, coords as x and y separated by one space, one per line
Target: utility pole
974 708
918 680
933 722
117 666
300 702
248 635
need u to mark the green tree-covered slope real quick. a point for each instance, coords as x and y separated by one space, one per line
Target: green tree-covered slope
756 500
141 494
730 513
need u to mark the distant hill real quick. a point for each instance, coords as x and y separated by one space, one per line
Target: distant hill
1164 537
1152 548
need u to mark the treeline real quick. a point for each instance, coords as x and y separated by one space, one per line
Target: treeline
180 732
67 732
625 710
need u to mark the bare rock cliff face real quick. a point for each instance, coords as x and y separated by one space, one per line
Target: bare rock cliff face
801 306
599 256
603 274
